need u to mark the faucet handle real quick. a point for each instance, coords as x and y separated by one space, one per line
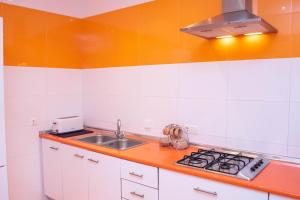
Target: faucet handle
119 123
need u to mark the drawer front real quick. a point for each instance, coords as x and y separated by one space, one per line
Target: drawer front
195 188
51 145
135 191
139 173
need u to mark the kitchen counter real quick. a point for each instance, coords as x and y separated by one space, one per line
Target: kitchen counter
277 178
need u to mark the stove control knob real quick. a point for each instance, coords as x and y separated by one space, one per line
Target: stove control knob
261 161
252 169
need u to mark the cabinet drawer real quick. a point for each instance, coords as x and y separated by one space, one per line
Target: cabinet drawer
139 173
51 145
135 191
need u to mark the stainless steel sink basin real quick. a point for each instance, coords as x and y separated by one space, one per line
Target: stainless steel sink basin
97 139
111 142
122 144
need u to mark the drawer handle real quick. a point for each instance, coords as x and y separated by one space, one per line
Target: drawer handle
94 161
138 195
54 148
79 156
136 175
206 192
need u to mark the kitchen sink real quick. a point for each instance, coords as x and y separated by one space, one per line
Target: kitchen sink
122 144
111 142
97 139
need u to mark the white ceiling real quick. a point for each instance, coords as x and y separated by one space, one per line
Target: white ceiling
76 8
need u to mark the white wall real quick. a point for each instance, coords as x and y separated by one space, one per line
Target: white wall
39 94
251 105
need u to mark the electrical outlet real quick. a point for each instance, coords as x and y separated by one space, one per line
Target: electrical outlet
191 129
148 124
34 121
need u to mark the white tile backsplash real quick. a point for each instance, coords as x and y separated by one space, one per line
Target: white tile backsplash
295 80
156 112
207 116
64 82
235 104
24 81
294 151
257 146
294 135
260 121
206 80
266 80
159 81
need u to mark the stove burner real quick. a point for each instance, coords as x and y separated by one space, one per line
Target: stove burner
196 161
225 166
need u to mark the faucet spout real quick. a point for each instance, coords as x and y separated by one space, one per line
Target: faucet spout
119 133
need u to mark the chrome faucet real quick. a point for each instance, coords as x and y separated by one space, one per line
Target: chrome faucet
118 132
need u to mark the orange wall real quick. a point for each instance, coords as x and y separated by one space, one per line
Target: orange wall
149 34
37 38
141 35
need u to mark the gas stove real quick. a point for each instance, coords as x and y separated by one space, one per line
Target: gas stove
238 165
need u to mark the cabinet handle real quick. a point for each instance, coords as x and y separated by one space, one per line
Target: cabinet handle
94 161
79 156
206 192
136 175
54 148
136 194
1 166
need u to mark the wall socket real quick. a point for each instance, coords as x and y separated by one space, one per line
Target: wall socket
191 129
148 124
34 121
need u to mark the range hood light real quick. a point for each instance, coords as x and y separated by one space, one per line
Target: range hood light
255 33
224 36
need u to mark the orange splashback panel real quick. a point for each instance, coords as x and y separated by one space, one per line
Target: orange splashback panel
141 35
41 39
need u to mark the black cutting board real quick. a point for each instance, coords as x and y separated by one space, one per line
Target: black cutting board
72 134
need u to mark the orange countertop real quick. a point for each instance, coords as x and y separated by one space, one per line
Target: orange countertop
278 177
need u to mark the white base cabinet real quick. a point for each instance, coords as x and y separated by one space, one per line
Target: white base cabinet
52 169
72 173
276 197
104 177
178 186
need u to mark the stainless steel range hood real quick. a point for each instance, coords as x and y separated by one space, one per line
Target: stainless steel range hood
237 19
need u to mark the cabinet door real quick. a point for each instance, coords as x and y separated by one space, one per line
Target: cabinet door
52 169
276 197
74 173
3 183
104 177
177 186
